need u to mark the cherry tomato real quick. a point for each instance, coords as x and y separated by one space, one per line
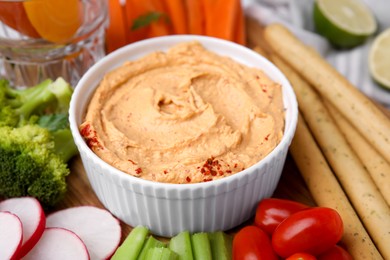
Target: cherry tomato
270 212
252 243
301 256
335 253
313 231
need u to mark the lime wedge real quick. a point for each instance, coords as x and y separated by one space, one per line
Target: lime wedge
379 59
345 23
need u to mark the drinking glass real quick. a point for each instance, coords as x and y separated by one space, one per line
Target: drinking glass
42 39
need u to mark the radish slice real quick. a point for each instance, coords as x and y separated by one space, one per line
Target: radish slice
97 228
31 214
58 243
11 235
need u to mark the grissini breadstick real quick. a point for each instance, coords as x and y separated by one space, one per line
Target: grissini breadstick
327 192
354 178
354 105
254 34
377 167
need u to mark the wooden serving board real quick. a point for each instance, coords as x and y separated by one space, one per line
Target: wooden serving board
80 193
291 185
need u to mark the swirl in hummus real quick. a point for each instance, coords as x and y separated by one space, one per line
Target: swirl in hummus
186 115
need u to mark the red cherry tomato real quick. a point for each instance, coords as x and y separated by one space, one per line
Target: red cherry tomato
270 212
301 256
335 253
313 231
252 243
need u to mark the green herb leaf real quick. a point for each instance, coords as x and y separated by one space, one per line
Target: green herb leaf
147 19
54 122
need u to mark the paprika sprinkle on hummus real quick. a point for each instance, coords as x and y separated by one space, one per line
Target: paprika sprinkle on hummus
186 115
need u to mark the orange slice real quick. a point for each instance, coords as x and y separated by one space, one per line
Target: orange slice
13 15
56 21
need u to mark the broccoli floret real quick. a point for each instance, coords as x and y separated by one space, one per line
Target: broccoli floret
63 92
30 164
58 125
35 140
24 106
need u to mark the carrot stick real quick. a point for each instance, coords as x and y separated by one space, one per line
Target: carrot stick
240 28
196 19
134 9
155 21
162 26
220 18
158 28
116 31
354 105
177 15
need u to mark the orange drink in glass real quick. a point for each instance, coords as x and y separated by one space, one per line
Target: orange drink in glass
42 39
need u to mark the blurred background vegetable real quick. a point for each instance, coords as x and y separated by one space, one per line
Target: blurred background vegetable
133 20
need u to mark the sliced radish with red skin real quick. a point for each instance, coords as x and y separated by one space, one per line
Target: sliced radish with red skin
11 235
32 216
58 243
98 229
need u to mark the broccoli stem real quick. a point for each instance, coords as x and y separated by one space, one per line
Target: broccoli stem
33 100
47 95
63 92
64 144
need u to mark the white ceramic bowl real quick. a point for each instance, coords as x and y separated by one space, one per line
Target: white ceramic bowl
167 209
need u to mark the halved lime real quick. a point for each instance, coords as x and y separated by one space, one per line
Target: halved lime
345 23
379 59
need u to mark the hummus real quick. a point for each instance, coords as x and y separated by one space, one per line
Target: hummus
186 115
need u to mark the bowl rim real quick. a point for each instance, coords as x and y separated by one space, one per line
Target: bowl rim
109 61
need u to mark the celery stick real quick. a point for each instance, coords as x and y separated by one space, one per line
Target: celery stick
161 253
168 254
181 244
150 243
132 246
221 245
201 246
